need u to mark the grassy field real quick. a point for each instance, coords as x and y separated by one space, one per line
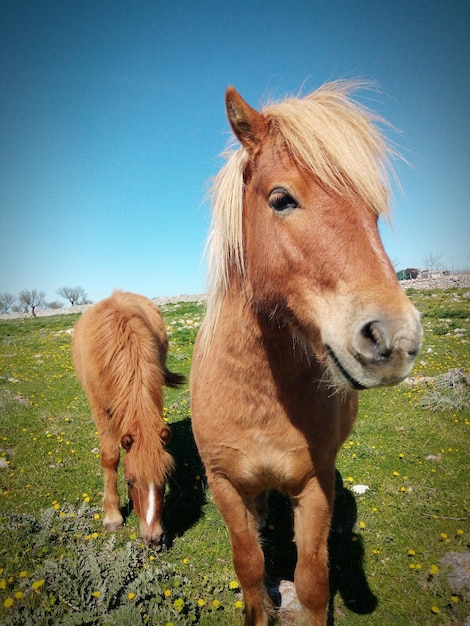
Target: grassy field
389 546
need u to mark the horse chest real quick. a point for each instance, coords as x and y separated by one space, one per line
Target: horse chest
260 463
270 425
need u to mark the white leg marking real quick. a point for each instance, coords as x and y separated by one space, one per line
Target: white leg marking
151 505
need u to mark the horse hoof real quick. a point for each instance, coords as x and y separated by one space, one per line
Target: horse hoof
112 526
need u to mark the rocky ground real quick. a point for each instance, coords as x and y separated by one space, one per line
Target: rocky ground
433 282
79 308
438 282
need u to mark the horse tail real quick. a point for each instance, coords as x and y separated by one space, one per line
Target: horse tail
172 379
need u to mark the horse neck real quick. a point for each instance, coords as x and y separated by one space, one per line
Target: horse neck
150 455
139 406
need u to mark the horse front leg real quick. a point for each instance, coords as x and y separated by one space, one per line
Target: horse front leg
241 518
109 457
312 518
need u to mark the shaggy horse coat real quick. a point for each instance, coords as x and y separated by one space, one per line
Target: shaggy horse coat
119 350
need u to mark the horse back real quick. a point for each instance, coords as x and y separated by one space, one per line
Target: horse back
119 348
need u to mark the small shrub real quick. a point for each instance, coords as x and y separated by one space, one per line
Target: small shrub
89 578
448 392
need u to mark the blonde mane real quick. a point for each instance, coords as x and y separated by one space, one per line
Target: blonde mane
335 138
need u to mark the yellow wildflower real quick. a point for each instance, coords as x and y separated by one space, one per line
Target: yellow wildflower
37 584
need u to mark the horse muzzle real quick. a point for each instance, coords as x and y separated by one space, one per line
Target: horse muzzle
152 536
382 352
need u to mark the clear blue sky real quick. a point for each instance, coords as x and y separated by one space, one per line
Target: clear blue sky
112 121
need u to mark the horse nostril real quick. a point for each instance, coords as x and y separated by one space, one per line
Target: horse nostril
158 542
375 341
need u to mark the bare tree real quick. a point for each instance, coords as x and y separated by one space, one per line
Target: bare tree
31 299
6 301
75 295
432 261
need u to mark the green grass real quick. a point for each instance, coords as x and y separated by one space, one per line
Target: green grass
410 447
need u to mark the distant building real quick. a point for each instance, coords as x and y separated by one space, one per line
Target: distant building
410 272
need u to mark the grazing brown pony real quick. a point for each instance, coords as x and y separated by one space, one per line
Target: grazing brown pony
119 350
303 310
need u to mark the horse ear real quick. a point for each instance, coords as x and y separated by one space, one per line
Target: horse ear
126 442
248 125
165 435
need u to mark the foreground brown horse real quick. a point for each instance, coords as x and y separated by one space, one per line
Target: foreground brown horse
119 350
303 310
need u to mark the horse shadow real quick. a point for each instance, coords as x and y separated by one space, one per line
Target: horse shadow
186 494
346 551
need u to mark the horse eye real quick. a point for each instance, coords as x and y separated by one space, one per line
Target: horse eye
129 483
280 200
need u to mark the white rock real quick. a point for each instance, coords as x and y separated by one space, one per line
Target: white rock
359 489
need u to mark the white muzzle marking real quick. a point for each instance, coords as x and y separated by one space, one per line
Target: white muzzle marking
151 505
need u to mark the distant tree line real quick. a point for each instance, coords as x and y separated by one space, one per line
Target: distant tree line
27 301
